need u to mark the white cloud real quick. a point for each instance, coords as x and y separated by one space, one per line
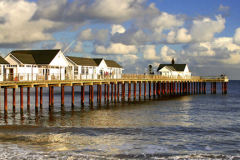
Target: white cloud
179 36
149 53
127 59
18 27
204 30
78 47
89 35
116 48
223 8
117 29
236 37
167 54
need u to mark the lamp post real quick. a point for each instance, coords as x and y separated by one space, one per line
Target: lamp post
137 70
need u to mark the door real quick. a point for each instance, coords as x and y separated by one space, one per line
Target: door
11 75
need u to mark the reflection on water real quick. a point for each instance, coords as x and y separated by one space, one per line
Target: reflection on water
194 126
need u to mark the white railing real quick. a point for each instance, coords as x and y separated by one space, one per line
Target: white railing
41 77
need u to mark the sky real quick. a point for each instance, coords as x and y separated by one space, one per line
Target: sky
204 34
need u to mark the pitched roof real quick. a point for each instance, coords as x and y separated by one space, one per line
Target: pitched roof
3 61
98 60
173 67
111 63
83 61
35 56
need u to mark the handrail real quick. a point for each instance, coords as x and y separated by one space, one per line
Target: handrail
60 77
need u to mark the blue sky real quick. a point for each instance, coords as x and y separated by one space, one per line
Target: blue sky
135 33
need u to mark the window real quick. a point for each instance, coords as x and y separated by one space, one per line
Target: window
75 70
83 70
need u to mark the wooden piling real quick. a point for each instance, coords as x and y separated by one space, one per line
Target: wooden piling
5 101
100 93
105 92
82 94
50 97
28 98
62 97
14 99
73 96
129 91
140 92
21 99
108 92
36 98
90 94
112 92
150 89
145 90
154 89
41 96
135 90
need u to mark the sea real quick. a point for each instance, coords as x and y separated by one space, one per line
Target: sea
199 126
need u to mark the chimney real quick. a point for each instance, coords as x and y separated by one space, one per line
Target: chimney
173 62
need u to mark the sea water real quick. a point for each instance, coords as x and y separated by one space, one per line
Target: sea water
201 126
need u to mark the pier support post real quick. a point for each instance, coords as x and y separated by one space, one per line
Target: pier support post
5 101
52 92
140 92
215 87
145 90
135 86
150 89
108 92
123 86
177 88
225 87
205 87
36 99
73 96
118 90
100 93
189 88
159 89
41 97
115 92
154 89
14 99
21 100
90 94
105 92
112 92
97 93
129 91
82 94
28 98
50 97
168 88
62 97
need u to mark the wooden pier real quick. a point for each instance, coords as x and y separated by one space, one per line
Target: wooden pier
158 86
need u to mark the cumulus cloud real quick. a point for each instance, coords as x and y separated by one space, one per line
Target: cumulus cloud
78 47
97 11
117 29
223 8
89 35
115 48
236 37
149 53
17 27
130 37
179 36
204 30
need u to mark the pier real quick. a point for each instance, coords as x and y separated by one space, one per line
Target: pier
157 86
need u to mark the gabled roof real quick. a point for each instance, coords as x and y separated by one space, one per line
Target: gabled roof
111 63
83 61
98 60
3 61
173 67
35 56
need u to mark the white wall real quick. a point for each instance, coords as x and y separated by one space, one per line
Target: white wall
59 60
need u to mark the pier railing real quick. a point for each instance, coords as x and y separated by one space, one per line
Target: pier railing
56 76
